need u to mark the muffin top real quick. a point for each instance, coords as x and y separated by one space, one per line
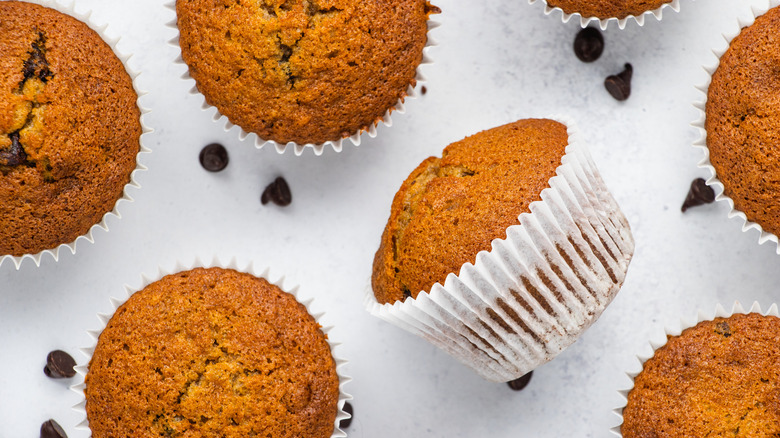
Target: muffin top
605 9
303 71
69 128
743 121
719 378
451 208
212 353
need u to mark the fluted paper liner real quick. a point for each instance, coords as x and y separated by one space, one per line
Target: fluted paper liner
705 163
103 31
604 22
720 312
318 149
180 267
536 291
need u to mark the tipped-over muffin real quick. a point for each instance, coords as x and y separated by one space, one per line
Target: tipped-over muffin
605 9
303 71
69 128
504 251
212 353
451 208
719 378
743 122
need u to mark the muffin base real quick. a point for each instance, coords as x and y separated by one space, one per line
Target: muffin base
604 22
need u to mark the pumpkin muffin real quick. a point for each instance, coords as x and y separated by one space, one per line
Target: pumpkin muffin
743 123
504 251
212 353
451 208
605 9
303 71
719 378
69 128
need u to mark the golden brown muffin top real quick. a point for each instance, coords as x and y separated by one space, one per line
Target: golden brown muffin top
743 121
719 378
605 9
69 128
451 208
306 71
212 353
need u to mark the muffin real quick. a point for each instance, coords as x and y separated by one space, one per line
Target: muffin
212 352
718 378
606 9
304 72
742 123
69 128
504 250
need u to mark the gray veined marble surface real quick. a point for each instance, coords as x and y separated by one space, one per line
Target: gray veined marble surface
497 61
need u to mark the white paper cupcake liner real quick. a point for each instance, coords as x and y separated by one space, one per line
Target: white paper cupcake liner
104 32
604 22
318 149
720 312
280 282
536 291
701 143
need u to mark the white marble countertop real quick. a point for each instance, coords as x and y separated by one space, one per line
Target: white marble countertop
497 61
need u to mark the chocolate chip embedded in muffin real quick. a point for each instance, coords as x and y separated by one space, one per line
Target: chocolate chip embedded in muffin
303 71
451 208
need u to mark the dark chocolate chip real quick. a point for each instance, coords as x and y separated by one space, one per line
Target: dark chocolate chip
619 85
15 155
699 194
407 293
36 64
343 424
277 192
50 429
423 90
588 44
59 365
722 328
214 157
520 383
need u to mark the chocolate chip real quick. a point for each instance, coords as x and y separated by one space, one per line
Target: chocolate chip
343 424
15 155
50 429
36 64
214 157
699 194
423 90
588 44
722 328
520 383
277 192
619 85
59 365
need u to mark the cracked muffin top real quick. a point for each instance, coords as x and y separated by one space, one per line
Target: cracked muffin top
743 121
451 208
69 128
719 378
303 71
212 353
605 9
